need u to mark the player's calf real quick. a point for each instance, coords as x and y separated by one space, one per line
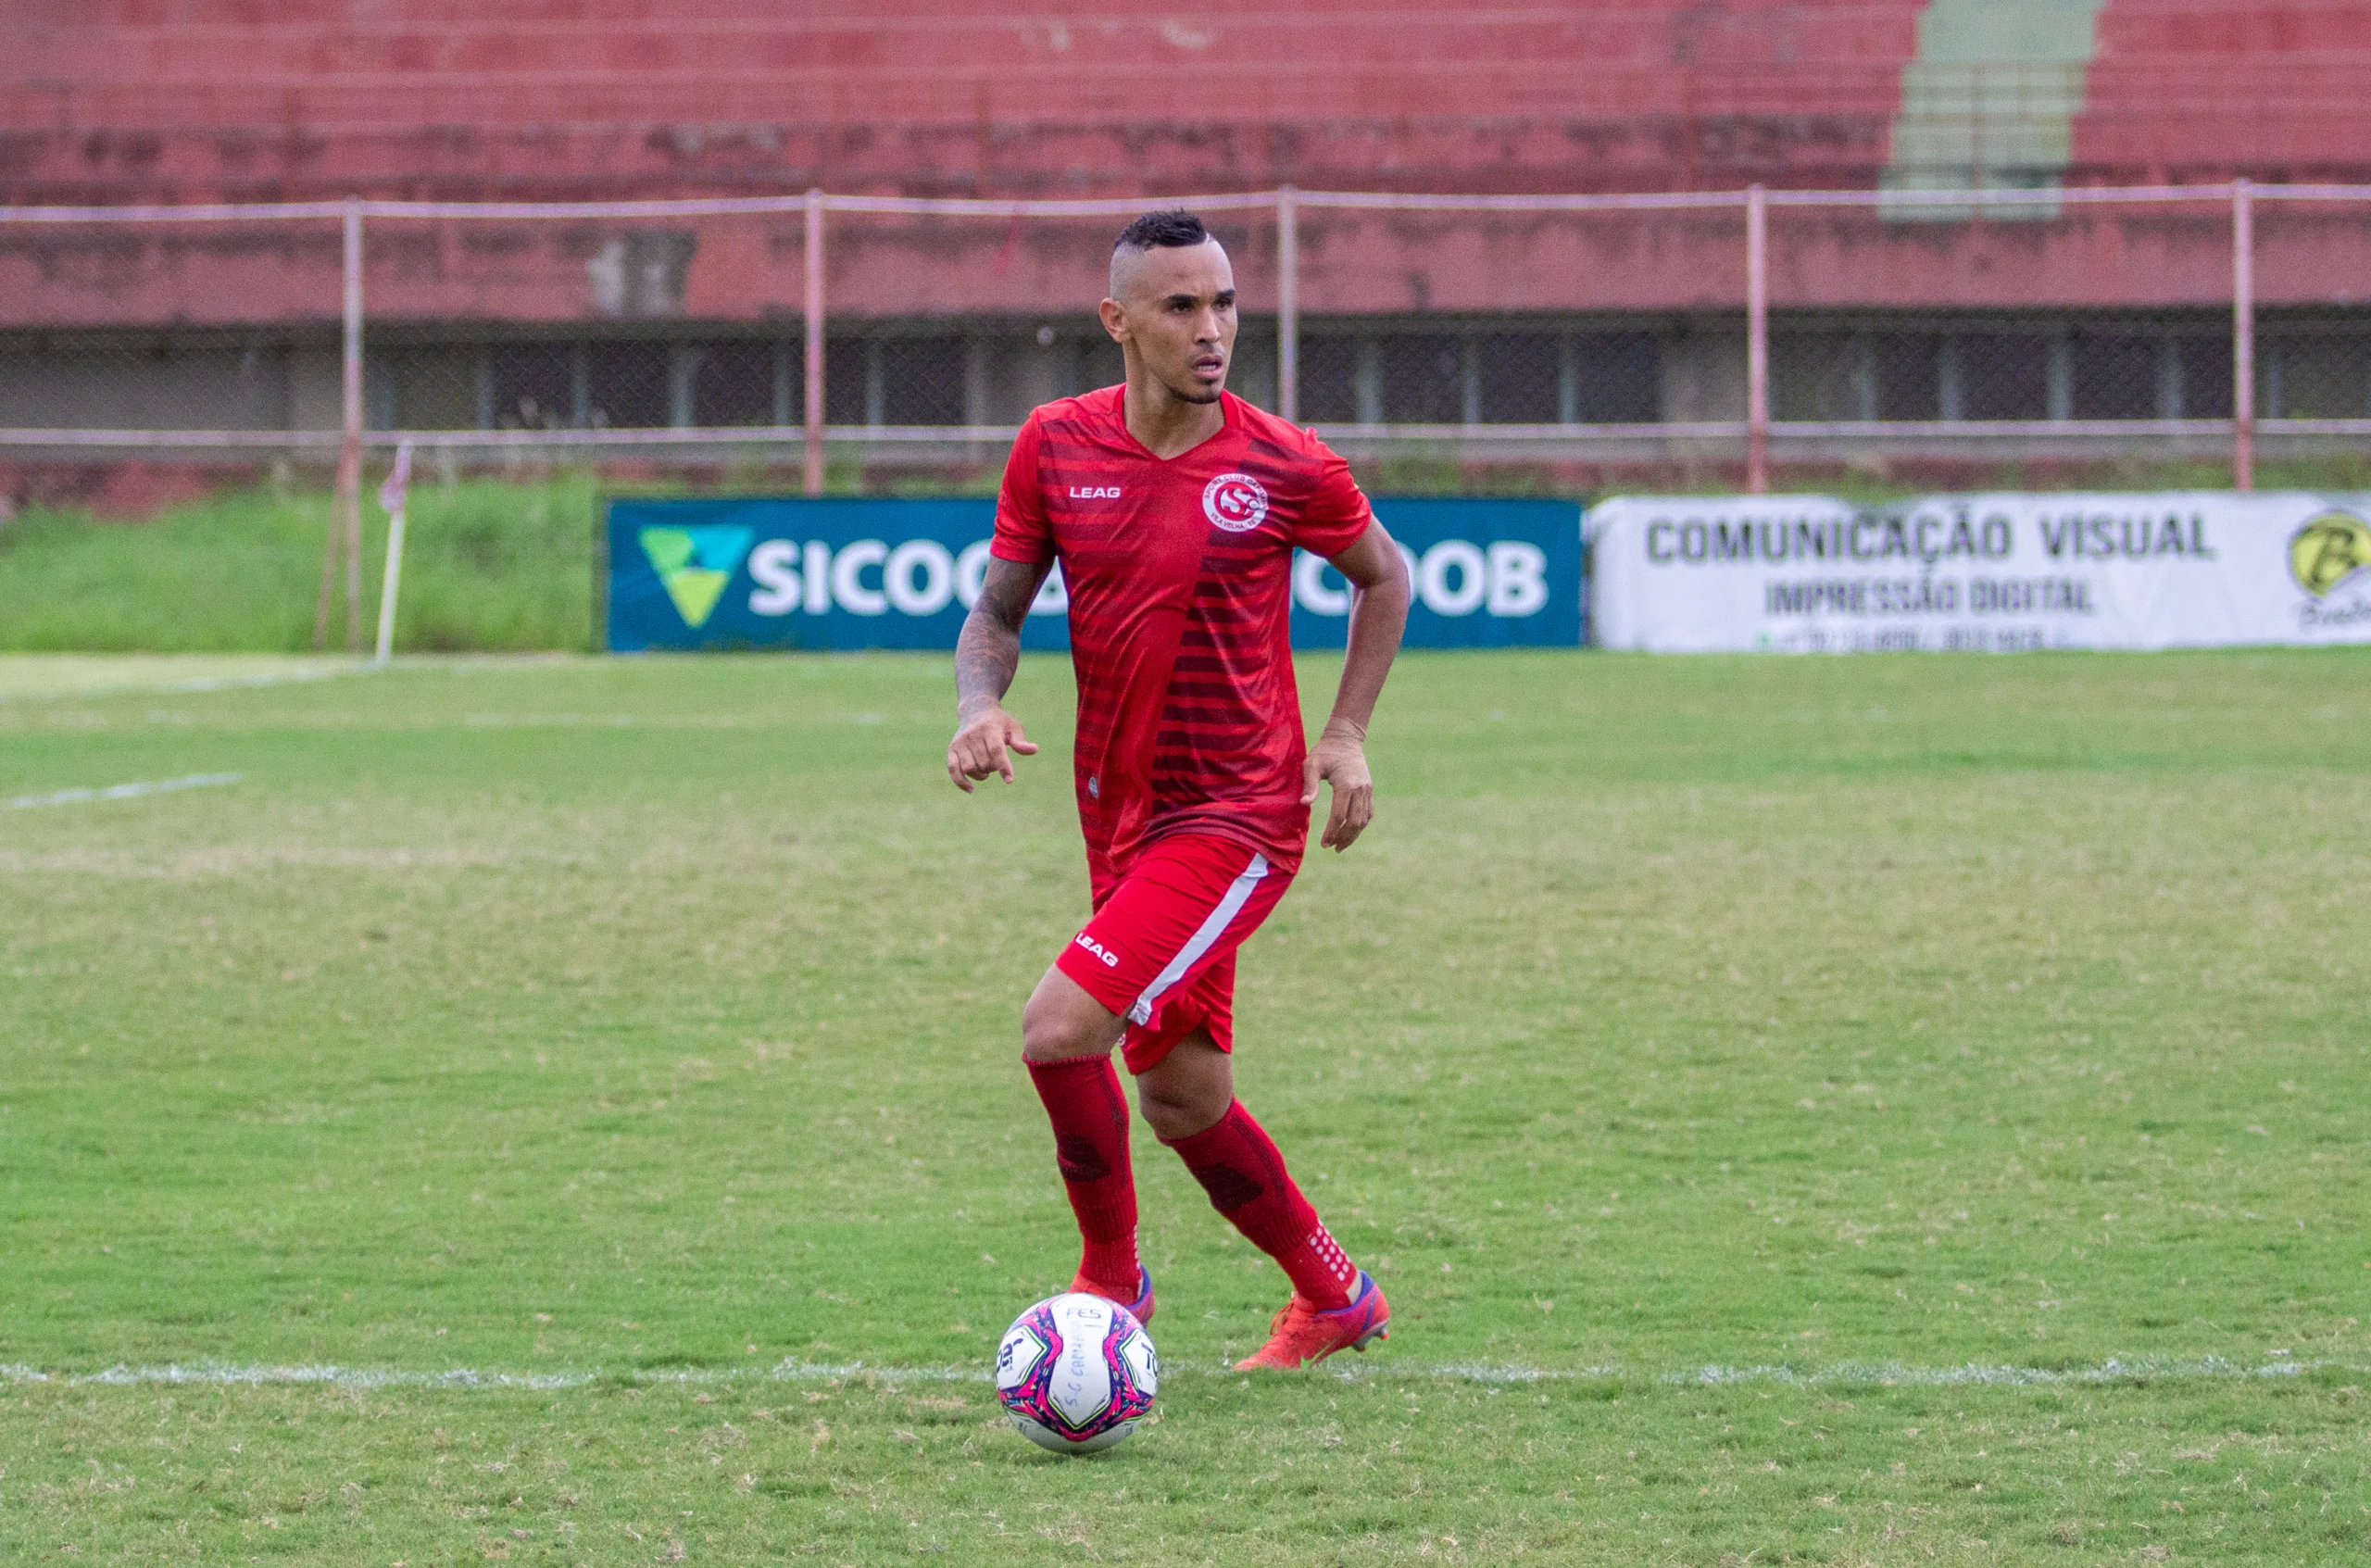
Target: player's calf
1244 1172
1066 1041
1090 1121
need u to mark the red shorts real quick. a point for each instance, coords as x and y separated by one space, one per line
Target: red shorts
1160 950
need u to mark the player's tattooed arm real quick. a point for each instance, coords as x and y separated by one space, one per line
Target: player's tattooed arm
986 654
988 651
1379 594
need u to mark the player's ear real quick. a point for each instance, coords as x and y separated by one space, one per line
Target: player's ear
1115 319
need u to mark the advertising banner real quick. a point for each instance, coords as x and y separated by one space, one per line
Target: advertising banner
793 572
1987 573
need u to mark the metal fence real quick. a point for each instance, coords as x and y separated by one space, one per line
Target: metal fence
1735 330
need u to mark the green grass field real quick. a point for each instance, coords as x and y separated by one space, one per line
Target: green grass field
1887 1110
488 566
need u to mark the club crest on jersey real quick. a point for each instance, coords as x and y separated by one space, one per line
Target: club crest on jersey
1235 502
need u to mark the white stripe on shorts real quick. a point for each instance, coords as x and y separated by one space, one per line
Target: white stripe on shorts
1203 939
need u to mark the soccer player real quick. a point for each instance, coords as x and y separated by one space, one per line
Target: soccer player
1174 509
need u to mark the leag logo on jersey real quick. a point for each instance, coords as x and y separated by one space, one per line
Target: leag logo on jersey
1235 502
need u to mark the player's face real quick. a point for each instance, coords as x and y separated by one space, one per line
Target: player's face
1175 306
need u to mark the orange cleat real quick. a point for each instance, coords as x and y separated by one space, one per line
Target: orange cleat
1140 1309
1301 1336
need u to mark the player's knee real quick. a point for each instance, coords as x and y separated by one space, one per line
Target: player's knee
1051 1031
1180 1110
1168 1120
1050 1039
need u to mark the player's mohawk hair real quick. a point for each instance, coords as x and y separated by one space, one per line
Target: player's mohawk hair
1173 227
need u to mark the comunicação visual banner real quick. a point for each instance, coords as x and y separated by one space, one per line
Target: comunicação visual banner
796 572
1988 572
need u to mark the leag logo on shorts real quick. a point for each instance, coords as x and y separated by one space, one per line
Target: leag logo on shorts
1235 502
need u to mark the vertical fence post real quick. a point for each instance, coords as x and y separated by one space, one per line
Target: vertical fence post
345 515
350 449
814 476
2243 336
1287 305
1757 340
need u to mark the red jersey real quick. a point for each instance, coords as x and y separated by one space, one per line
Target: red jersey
1180 582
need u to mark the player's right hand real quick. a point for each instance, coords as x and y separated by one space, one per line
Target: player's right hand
986 745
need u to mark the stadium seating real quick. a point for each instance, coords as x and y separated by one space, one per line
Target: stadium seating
2192 90
115 100
118 101
121 98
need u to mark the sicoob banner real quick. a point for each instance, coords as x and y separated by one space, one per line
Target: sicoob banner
791 572
1812 574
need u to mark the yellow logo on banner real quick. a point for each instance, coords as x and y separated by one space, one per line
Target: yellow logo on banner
2330 549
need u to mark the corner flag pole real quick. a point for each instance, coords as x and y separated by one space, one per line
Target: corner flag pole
390 498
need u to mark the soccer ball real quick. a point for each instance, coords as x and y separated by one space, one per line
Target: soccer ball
1076 1374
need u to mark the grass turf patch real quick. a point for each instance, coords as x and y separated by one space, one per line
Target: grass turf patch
637 1018
488 566
1301 1469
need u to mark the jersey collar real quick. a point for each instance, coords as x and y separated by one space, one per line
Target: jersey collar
1227 424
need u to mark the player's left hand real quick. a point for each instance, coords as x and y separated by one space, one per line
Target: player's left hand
1339 758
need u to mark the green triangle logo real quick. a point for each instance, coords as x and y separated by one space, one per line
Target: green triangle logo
695 564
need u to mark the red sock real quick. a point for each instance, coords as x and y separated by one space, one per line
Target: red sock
1090 1117
1238 1166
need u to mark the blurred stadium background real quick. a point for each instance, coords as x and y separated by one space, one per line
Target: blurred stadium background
1676 241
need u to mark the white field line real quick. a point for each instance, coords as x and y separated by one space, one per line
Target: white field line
240 682
1863 1374
327 668
183 687
123 791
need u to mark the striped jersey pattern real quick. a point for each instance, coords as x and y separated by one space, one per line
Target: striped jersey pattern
1179 576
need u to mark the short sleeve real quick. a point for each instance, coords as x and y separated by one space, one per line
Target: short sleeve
1336 515
1023 533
